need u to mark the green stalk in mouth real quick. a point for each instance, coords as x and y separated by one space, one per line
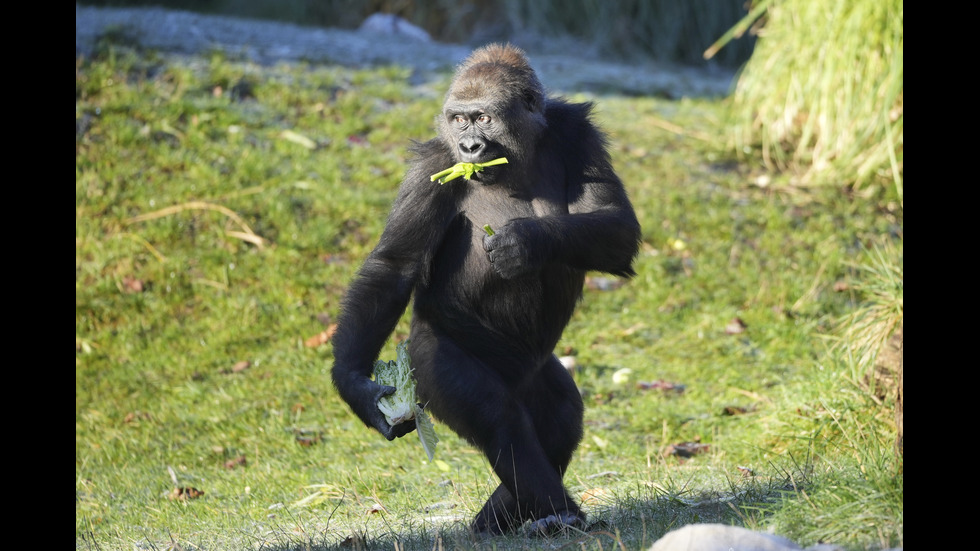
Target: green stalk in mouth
465 170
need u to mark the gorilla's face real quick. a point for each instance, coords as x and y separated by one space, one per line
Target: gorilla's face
474 133
488 114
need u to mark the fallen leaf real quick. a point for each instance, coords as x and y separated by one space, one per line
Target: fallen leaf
661 384
354 139
376 508
239 461
745 471
734 410
633 329
603 398
132 285
321 338
735 326
686 449
241 366
136 416
307 438
840 286
185 493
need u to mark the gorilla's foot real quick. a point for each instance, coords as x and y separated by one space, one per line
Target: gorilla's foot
558 523
492 525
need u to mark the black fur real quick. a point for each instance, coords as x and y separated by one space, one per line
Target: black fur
488 310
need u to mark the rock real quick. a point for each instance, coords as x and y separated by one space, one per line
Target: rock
719 537
388 24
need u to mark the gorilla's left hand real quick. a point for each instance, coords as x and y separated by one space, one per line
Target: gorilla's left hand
363 396
517 248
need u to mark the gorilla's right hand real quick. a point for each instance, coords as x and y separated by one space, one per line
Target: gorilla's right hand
363 396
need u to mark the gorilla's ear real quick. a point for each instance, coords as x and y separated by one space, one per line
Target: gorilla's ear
533 101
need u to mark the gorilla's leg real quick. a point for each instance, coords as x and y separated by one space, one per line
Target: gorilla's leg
499 514
555 405
471 399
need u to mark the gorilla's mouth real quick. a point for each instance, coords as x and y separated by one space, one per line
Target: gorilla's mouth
466 170
489 176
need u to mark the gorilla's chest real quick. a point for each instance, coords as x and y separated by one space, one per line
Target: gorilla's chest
461 268
495 206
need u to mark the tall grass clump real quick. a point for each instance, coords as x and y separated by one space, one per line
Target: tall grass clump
848 488
848 493
822 96
855 478
872 337
866 331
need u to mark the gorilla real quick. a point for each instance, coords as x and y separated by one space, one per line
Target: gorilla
489 310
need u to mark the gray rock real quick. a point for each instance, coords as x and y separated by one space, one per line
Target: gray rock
389 23
719 537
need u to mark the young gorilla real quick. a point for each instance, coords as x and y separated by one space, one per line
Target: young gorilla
489 309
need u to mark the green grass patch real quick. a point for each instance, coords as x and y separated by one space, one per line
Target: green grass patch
221 210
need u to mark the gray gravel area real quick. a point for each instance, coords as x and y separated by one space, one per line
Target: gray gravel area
562 67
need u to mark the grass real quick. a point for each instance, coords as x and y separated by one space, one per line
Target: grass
823 95
221 210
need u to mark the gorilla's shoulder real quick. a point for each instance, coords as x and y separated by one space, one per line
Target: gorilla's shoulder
428 158
571 125
568 118
434 150
560 109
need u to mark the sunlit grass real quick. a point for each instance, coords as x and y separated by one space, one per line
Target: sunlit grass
221 210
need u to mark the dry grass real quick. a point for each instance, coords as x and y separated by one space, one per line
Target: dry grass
823 95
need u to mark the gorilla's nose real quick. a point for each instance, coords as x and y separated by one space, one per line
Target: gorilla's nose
471 147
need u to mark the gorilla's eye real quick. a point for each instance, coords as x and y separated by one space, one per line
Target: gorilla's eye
484 119
459 119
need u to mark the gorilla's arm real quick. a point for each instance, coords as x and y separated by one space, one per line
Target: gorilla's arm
380 292
600 231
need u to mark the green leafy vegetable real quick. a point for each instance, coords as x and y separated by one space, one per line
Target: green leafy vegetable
398 407
426 432
402 405
465 170
488 229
